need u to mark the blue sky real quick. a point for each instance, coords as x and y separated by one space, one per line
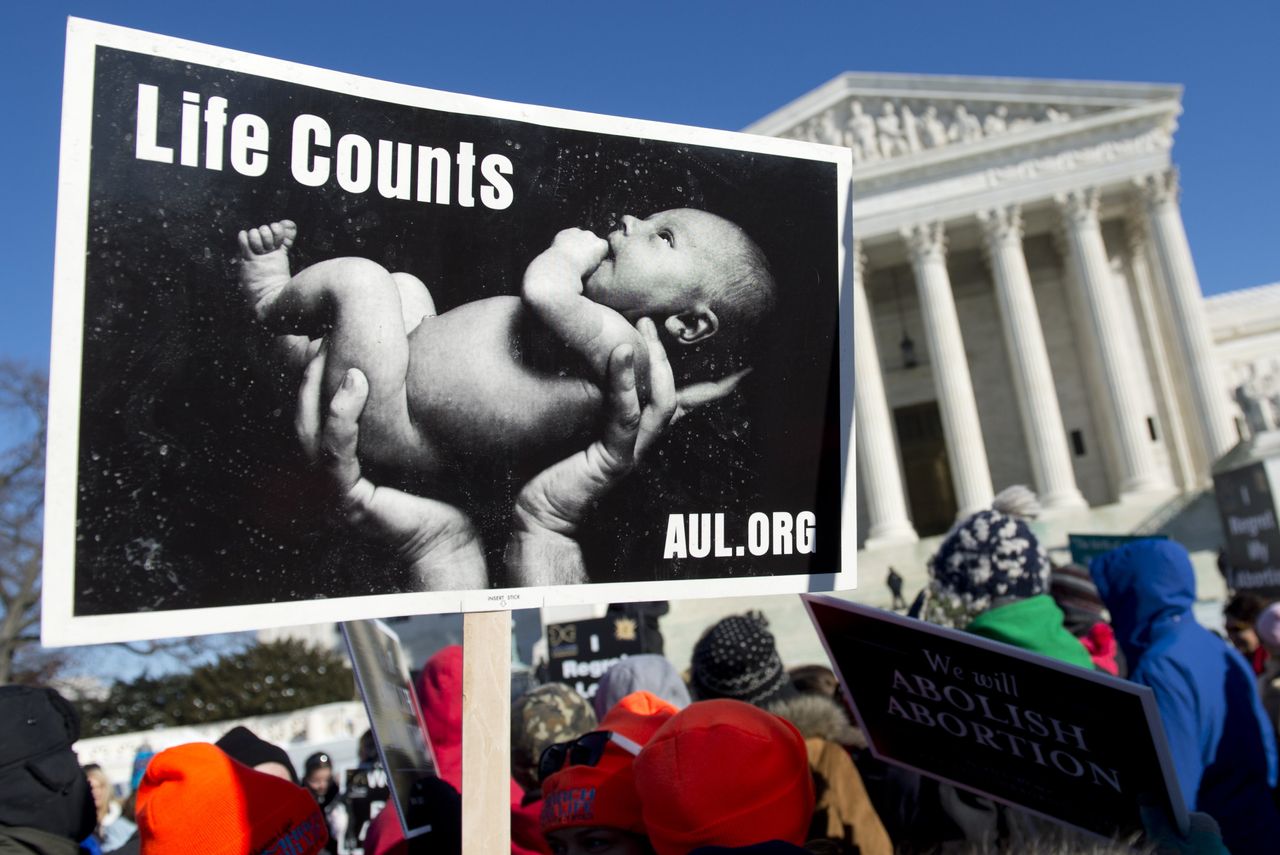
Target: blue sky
708 62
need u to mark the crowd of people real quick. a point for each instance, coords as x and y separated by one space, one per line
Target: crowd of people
736 754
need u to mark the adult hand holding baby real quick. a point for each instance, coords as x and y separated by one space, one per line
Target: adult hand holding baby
434 539
542 549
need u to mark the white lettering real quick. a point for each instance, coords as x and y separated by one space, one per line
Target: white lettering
355 163
190 144
497 195
675 546
758 533
146 147
215 120
466 163
310 131
250 138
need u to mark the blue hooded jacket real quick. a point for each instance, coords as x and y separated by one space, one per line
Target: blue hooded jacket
1223 746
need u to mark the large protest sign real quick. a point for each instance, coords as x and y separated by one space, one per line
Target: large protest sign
383 677
1060 741
180 496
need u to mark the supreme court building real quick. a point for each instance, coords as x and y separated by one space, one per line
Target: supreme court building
1025 301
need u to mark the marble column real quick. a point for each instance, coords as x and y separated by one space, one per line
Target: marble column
1088 257
877 454
1169 238
1171 393
1037 396
959 409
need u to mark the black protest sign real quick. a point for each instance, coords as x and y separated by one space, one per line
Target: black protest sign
181 498
1247 505
383 677
580 652
1070 744
366 794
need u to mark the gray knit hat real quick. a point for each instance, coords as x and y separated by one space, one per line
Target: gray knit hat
738 659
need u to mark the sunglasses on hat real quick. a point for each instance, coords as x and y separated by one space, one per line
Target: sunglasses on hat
586 750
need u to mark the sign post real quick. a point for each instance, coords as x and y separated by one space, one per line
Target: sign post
486 732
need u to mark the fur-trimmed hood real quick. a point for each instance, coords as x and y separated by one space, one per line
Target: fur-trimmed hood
821 717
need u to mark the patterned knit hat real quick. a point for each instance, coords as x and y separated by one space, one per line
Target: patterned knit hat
540 717
194 798
990 559
1073 590
738 659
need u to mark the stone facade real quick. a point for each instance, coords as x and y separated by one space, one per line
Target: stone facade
1026 305
1246 332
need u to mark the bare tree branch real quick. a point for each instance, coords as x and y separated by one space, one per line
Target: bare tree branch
23 398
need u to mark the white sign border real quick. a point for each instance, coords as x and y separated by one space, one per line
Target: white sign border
59 625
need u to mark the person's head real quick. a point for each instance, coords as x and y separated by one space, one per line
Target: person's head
100 787
647 672
737 658
368 748
1073 590
695 274
1240 614
988 560
41 784
1144 583
1267 629
140 761
815 680
540 717
588 788
724 773
244 745
195 798
318 774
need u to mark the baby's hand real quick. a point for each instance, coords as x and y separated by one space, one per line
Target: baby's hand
583 250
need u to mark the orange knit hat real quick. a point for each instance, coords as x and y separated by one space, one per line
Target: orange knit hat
194 798
604 795
724 773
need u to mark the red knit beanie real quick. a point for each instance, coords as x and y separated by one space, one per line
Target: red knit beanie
604 795
194 798
724 773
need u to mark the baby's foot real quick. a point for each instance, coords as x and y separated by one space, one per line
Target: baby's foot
264 264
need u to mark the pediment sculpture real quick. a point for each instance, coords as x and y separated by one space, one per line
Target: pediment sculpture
877 128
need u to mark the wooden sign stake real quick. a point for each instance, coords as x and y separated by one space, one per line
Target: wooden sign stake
486 732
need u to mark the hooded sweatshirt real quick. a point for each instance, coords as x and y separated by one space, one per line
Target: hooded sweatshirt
1034 624
440 696
1223 748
